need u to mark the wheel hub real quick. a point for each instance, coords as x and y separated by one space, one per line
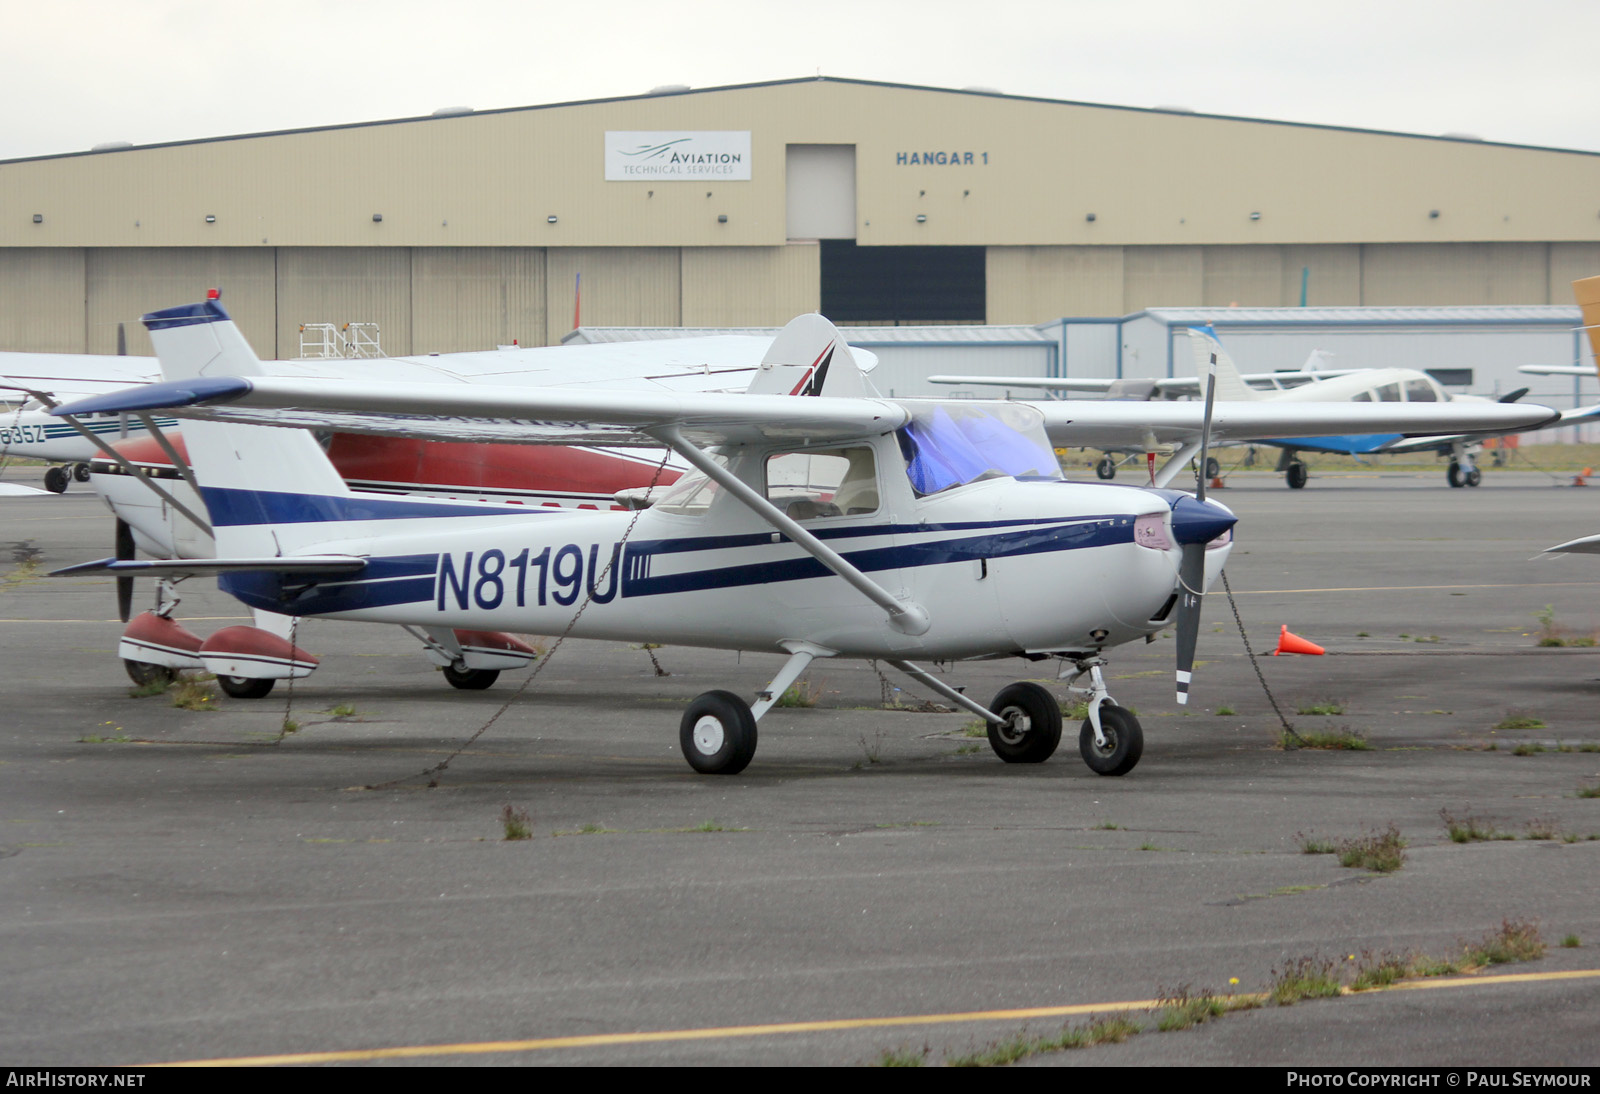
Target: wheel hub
1016 727
709 735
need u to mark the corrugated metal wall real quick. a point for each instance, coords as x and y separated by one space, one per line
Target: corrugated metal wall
343 285
123 283
43 292
747 286
476 298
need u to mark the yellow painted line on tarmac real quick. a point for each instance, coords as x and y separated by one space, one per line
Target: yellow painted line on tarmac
646 1037
1418 588
658 1036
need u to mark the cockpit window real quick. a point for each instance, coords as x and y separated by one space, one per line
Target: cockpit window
1420 391
1389 393
948 446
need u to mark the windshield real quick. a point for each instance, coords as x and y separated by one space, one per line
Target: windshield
950 445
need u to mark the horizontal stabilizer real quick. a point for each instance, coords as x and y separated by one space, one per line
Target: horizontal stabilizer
299 564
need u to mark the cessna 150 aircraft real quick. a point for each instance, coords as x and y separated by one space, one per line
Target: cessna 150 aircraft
841 525
1387 385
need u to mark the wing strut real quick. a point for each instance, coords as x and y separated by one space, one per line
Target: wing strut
112 454
907 617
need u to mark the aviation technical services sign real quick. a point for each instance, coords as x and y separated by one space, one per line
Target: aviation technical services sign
668 156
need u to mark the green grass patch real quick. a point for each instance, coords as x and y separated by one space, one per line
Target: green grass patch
1570 942
343 710
515 823
1588 792
189 694
1107 826
1383 852
801 693
1514 941
1520 719
1303 978
1332 740
978 727
1106 1031
1325 708
1312 846
1470 829
1225 711
158 686
904 1057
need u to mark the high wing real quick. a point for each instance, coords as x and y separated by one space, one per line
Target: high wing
1095 424
1586 545
1164 386
511 414
556 416
73 375
1557 370
1425 444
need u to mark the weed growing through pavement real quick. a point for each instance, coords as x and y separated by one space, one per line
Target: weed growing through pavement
1303 978
1570 942
1106 1031
1107 826
516 822
1324 708
904 1057
968 749
1520 719
1383 852
801 693
1312 846
1470 829
1181 1008
1516 940
1225 711
1540 828
343 710
290 726
874 750
1332 740
1588 792
192 694
978 727
159 686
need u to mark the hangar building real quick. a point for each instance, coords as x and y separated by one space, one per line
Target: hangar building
743 206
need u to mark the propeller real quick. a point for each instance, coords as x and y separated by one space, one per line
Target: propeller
125 550
1194 524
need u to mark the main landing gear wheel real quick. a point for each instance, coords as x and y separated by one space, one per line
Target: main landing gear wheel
1124 742
80 471
1473 477
1453 476
1296 475
144 673
245 687
56 479
1033 724
1106 468
718 734
1213 468
470 679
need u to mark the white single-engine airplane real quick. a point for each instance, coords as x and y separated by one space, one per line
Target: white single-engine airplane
1385 385
838 525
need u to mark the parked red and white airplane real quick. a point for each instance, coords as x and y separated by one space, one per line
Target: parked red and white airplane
839 525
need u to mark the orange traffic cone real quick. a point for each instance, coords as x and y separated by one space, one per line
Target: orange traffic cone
1216 483
1293 643
1581 478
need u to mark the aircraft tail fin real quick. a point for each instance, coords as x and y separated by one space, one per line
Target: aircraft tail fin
1230 385
1587 292
270 491
809 357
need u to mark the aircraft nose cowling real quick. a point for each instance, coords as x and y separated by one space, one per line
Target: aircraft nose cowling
1195 521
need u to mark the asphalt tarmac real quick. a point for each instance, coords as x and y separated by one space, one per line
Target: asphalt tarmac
184 885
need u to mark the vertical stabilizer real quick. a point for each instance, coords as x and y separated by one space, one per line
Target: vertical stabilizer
251 477
1230 385
1587 292
809 357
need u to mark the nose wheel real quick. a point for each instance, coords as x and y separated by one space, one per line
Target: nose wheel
1120 745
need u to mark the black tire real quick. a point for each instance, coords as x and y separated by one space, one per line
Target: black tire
718 734
1473 477
1106 468
1033 729
470 679
1213 468
144 673
80 471
1453 475
245 687
56 479
1296 475
1124 742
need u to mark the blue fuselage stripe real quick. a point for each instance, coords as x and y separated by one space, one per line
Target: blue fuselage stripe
232 507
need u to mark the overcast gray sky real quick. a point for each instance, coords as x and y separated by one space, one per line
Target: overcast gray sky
77 72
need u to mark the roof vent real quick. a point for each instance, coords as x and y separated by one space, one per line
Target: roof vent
668 89
111 146
451 111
